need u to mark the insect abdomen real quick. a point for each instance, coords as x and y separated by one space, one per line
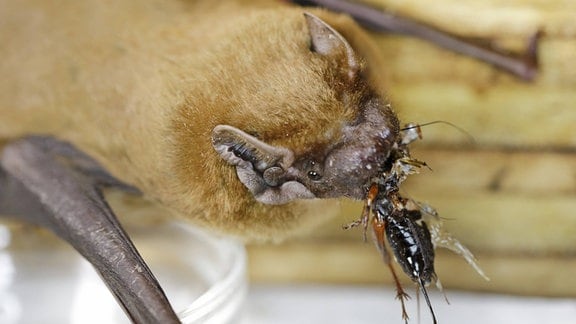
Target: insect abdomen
411 244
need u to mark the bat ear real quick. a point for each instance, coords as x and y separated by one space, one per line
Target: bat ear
325 40
236 146
261 167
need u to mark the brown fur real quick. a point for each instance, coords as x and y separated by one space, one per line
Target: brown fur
140 85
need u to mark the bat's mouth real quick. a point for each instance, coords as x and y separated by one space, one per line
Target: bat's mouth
362 153
360 160
376 141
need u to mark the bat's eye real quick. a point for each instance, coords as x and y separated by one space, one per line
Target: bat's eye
314 175
314 170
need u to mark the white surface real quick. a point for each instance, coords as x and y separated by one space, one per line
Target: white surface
44 281
304 304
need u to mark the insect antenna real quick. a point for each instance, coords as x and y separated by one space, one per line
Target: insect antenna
471 139
425 293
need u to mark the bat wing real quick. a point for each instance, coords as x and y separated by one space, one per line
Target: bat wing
52 184
524 65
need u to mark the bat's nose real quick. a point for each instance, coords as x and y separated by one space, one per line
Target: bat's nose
355 166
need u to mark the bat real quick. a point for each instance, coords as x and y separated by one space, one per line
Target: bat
232 132
247 120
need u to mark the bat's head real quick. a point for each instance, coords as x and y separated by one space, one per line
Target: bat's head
335 141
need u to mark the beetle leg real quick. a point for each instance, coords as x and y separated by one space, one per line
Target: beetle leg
380 237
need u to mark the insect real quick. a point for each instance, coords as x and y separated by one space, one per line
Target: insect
410 229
